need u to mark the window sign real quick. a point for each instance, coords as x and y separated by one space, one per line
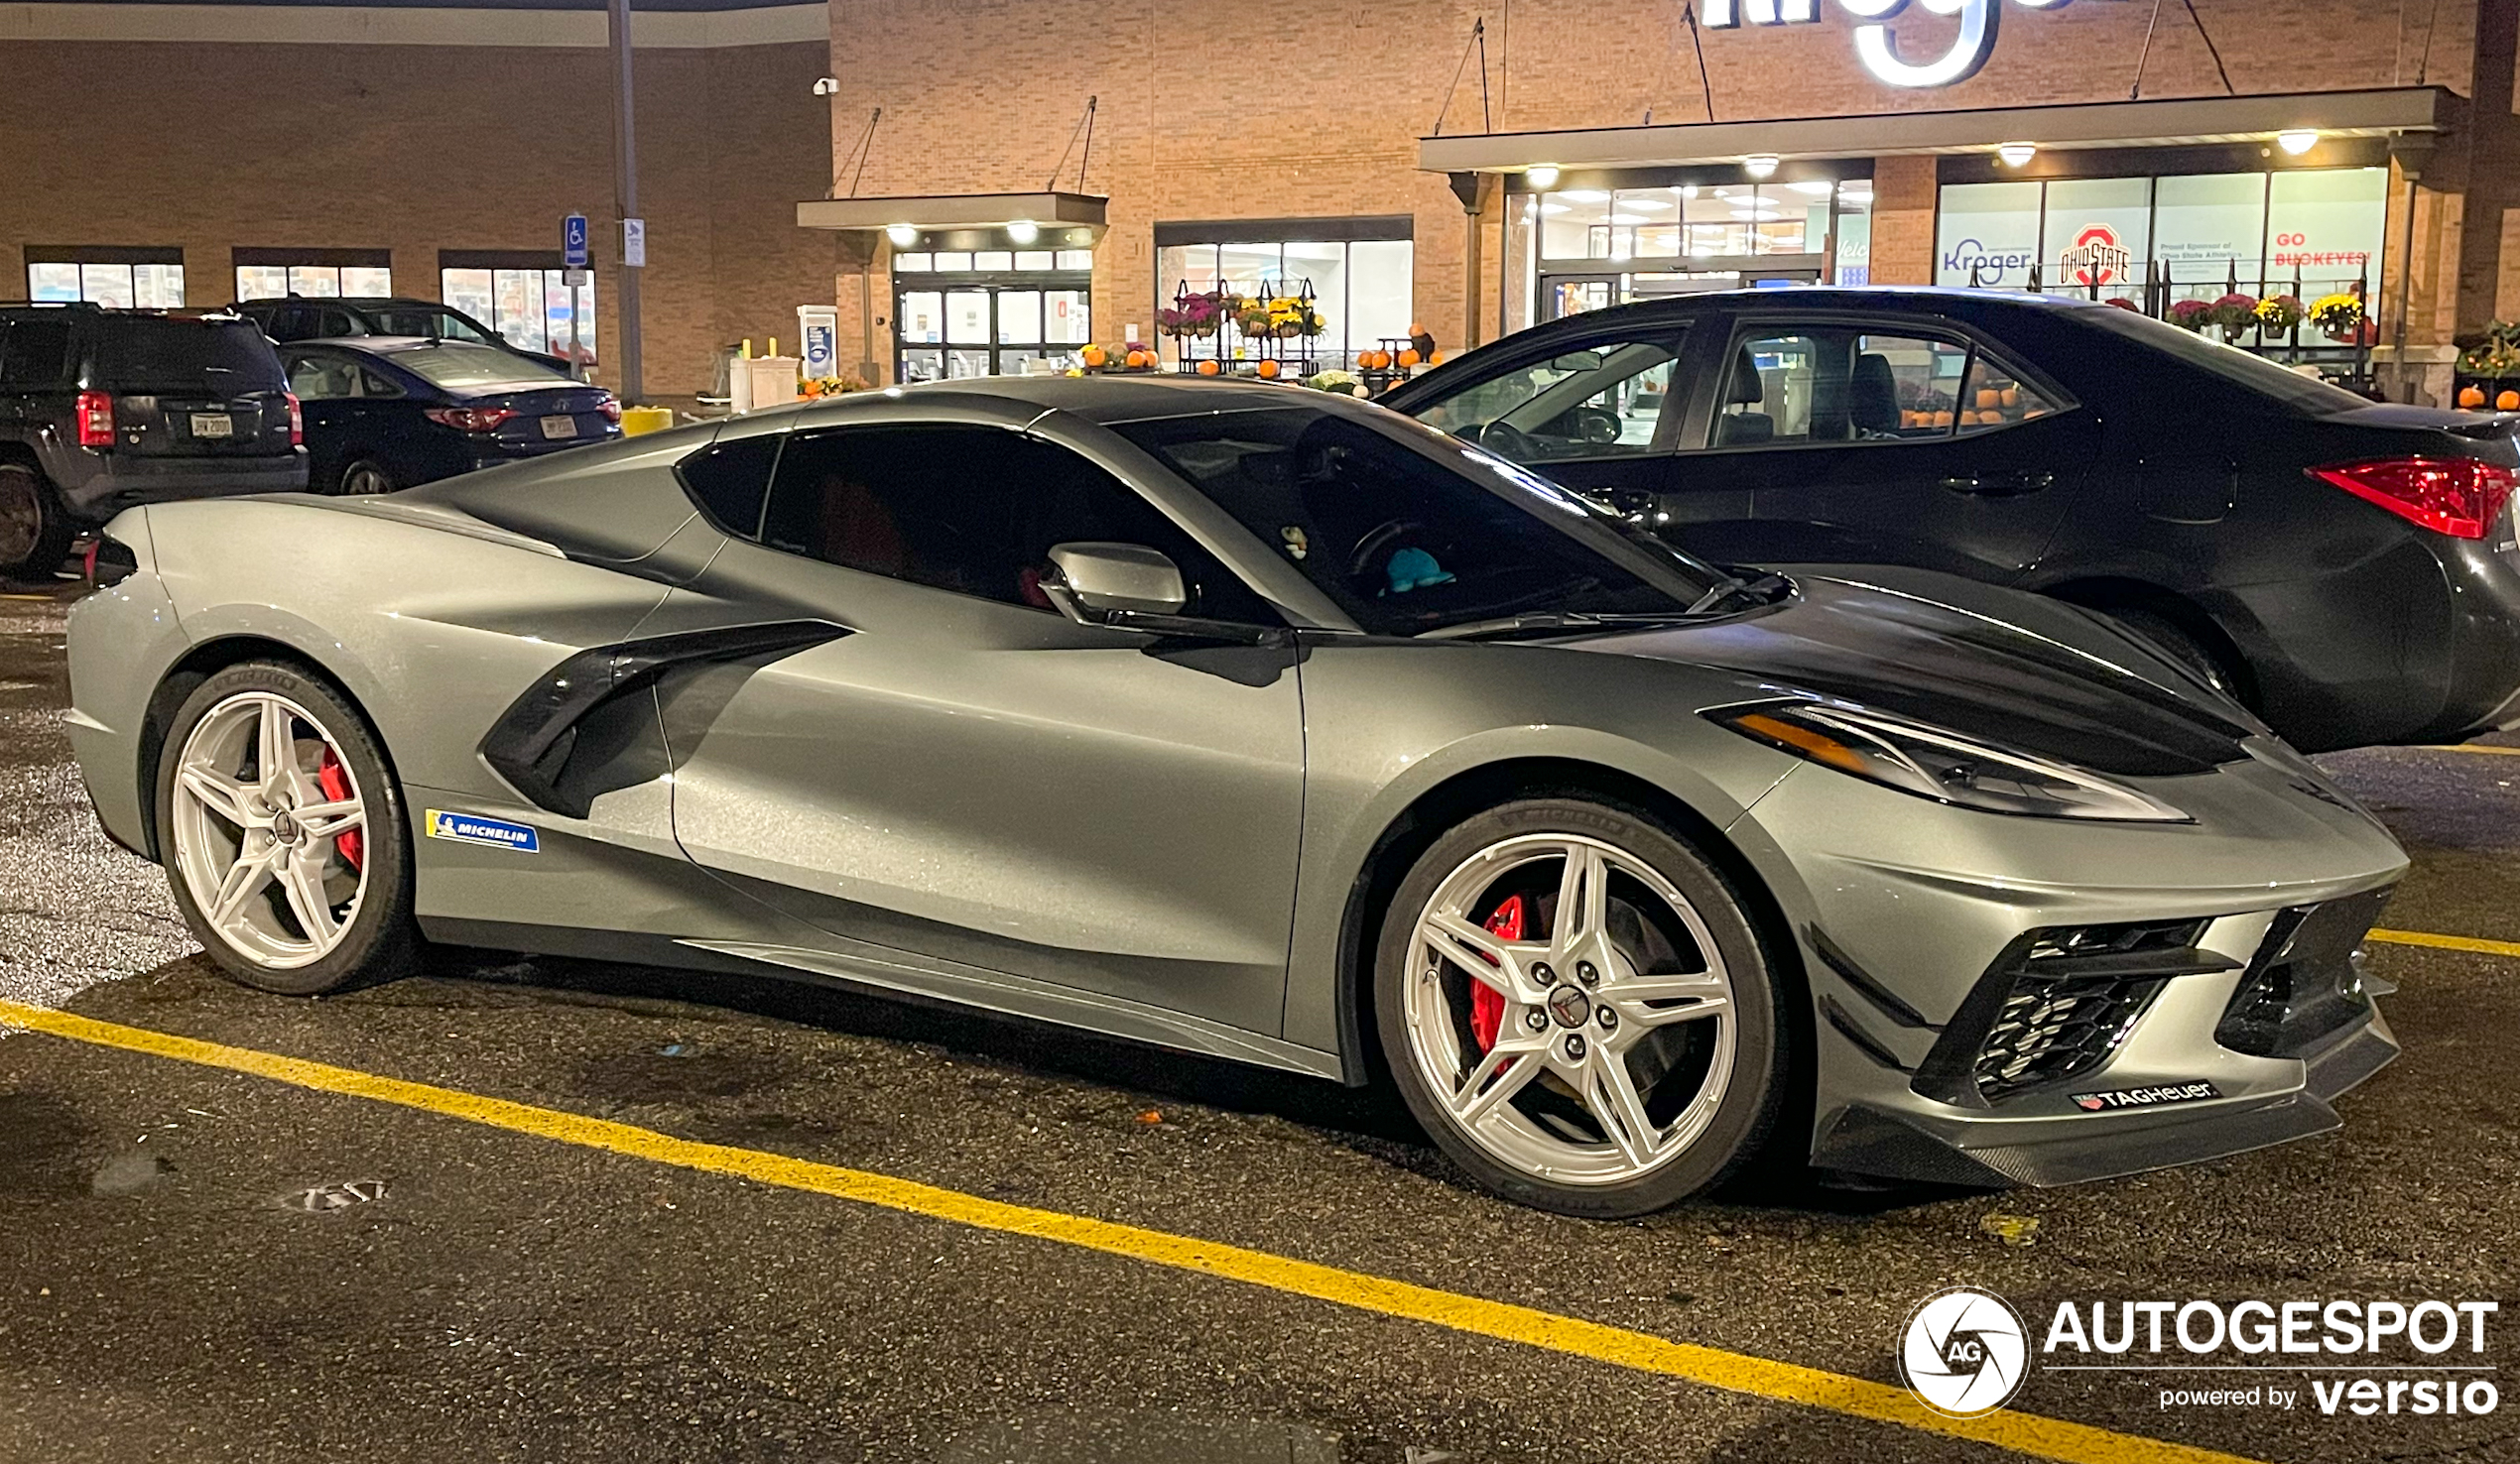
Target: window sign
2326 225
2098 232
2209 224
1992 228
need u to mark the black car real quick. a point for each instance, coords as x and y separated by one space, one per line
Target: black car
331 317
2346 568
101 409
388 411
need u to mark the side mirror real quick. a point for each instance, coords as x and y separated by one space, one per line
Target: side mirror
1092 581
1577 361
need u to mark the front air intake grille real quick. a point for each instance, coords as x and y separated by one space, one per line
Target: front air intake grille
2056 1005
2305 982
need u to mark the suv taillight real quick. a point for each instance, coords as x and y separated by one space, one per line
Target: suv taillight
2456 496
95 411
468 418
297 420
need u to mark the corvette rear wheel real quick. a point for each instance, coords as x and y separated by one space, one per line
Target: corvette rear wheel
1578 1011
282 833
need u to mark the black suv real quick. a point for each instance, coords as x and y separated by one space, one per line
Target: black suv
335 318
103 408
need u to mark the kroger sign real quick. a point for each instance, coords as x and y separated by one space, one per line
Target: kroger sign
1877 44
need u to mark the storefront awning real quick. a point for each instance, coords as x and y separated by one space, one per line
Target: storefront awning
947 211
2171 122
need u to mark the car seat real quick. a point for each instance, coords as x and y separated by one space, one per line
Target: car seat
1872 396
1737 428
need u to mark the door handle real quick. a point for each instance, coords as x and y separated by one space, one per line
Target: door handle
1999 485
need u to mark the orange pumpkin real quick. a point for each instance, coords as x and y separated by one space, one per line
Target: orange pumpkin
1988 396
2471 396
1434 359
1095 355
2507 402
1409 357
1207 368
2012 395
1941 419
1416 330
1269 370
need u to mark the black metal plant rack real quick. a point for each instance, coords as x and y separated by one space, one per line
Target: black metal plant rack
1292 353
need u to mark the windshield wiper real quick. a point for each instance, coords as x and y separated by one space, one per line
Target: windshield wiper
1763 587
1552 620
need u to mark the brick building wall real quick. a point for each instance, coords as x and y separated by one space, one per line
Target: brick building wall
419 147
1318 111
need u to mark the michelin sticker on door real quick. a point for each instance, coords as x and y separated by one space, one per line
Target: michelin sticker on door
472 829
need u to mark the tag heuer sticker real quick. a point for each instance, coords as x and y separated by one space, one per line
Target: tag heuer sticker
2145 1097
472 829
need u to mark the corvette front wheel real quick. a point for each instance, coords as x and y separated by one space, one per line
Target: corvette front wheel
282 833
1578 1011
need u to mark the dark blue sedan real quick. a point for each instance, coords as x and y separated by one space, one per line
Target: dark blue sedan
389 411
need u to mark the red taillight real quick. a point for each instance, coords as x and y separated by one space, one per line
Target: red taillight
468 418
95 419
296 421
610 407
2456 496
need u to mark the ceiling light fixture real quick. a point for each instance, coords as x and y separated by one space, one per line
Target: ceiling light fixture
1759 165
1543 177
902 235
1023 231
2017 154
2298 140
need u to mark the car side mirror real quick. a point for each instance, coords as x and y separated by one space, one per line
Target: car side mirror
1089 582
1577 361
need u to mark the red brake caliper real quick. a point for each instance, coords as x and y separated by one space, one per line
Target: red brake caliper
1487 1008
336 783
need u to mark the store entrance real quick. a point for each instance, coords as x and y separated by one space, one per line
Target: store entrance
952 326
1572 293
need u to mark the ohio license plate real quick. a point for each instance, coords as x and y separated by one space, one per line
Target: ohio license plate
214 425
559 426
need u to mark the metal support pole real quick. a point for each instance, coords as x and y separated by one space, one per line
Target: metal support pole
625 166
576 357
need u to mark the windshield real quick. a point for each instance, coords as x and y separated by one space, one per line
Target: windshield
1409 531
2240 368
451 364
153 353
421 320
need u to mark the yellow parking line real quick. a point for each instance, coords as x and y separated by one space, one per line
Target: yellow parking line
2449 943
2487 748
2027 1434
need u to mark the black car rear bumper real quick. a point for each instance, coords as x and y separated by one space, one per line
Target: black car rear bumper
111 484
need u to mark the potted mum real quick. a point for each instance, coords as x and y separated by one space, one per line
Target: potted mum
2280 314
2191 315
2235 313
2340 315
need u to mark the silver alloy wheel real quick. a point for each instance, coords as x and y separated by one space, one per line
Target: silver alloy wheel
21 517
1574 1088
365 478
257 839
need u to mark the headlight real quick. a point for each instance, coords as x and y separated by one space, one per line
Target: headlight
1933 764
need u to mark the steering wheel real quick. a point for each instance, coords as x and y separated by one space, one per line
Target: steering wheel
1509 443
1376 542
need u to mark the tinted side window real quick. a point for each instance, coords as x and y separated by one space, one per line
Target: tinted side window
143 352
33 353
321 376
1604 400
1837 384
1996 396
973 510
731 480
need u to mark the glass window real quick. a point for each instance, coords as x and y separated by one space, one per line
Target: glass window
1996 396
1068 319
1360 289
1990 227
528 308
1605 402
468 291
952 259
1769 390
448 363
52 281
261 282
919 262
33 352
107 284
148 287
2324 226
923 365
993 259
1076 259
516 308
1782 221
922 316
1019 316
1651 219
1409 531
366 280
323 376
972 510
312 281
1855 231
962 365
444 324
1837 385
2098 232
968 315
2208 228
180 353
1575 223
1379 287
1035 259
1903 385
731 479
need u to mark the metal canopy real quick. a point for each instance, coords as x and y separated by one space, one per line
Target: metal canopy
2171 122
939 211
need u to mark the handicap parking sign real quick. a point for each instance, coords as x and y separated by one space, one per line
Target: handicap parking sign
572 241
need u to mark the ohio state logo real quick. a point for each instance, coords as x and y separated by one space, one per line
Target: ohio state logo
2095 256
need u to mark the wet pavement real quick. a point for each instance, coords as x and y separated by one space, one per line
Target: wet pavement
203 1265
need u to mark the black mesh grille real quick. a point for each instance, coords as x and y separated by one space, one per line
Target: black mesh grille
2047 1031
2303 984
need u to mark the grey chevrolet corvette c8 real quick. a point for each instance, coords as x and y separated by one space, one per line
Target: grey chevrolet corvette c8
1264 724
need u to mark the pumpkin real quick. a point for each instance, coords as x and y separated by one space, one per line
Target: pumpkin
1095 355
1207 368
2012 395
2471 396
1988 396
2507 402
1269 370
1409 358
1434 359
1942 419
1416 330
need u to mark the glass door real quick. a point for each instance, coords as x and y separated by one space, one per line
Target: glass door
951 326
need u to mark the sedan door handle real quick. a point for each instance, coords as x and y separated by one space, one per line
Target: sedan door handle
2000 485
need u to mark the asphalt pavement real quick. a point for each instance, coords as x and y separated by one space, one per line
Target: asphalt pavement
198 1263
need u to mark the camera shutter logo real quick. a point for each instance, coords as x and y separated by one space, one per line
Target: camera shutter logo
1965 1352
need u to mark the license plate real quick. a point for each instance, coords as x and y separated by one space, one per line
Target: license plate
214 425
559 426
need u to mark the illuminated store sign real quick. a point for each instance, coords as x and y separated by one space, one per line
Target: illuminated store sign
1877 44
